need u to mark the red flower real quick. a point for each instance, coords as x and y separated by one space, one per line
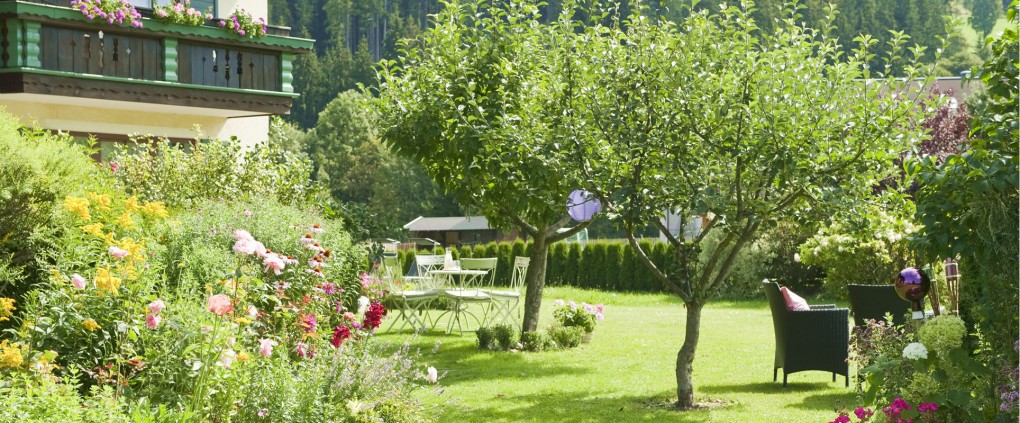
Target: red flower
374 315
340 334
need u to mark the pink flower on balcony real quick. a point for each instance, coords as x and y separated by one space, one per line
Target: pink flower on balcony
223 24
161 13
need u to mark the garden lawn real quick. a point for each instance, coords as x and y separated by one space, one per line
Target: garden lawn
627 372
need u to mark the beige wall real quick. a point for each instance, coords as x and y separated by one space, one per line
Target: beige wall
111 117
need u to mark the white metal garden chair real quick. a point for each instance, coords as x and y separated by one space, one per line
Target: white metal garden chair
414 294
503 304
465 294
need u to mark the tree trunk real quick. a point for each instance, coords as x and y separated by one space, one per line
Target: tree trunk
685 358
535 280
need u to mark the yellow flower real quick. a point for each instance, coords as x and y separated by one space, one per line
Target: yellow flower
90 325
78 206
102 201
242 357
95 229
56 277
154 209
125 221
131 204
107 282
10 355
135 249
242 320
108 238
6 308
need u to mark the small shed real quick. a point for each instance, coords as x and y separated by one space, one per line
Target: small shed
462 230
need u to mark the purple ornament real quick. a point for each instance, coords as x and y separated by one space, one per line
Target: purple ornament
582 205
912 285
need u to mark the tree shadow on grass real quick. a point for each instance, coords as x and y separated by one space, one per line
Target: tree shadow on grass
764 388
576 406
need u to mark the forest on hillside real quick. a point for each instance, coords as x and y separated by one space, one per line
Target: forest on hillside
353 35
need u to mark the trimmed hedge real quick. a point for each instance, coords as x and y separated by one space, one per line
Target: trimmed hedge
606 265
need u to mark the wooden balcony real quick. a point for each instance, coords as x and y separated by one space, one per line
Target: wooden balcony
54 50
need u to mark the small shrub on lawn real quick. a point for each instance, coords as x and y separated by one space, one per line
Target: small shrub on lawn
500 337
485 338
536 341
566 337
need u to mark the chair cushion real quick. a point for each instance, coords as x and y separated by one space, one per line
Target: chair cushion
793 301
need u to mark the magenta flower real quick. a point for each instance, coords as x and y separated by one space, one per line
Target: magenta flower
927 406
77 281
117 253
308 322
328 288
222 24
863 413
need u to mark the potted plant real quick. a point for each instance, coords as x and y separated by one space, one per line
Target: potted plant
583 316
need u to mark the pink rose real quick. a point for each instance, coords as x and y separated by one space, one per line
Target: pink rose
274 262
242 234
152 321
114 166
77 281
117 252
156 306
219 304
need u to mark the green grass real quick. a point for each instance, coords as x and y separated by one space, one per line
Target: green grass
627 372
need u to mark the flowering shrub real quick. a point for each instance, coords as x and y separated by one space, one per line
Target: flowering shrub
936 370
860 250
179 13
570 314
242 23
898 411
111 11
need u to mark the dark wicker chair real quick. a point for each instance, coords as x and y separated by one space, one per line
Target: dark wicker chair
817 339
874 301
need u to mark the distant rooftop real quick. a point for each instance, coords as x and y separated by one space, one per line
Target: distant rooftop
461 223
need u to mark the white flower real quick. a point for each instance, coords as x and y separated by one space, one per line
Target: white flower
796 257
227 358
915 351
432 376
362 304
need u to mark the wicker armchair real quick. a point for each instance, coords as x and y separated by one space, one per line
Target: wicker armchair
817 339
874 301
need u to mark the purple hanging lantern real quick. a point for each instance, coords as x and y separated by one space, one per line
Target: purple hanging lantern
582 205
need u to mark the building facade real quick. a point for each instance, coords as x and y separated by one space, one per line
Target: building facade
62 71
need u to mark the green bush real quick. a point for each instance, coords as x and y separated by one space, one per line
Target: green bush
485 337
537 341
42 399
505 335
571 268
869 248
37 171
166 172
556 264
566 337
